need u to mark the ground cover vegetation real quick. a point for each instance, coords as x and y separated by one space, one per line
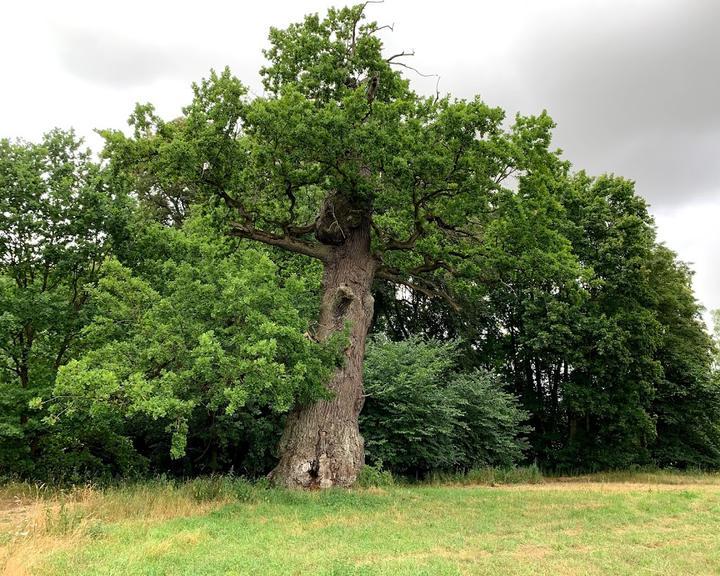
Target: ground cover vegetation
626 523
207 296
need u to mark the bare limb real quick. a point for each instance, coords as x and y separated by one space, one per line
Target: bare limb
360 14
390 27
413 69
399 55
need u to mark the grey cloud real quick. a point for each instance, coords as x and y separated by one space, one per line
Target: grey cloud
108 59
635 93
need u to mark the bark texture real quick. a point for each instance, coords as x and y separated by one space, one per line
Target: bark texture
321 445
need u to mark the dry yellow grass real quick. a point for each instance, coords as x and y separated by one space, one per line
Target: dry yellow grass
36 521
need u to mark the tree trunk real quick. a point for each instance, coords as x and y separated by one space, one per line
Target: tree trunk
321 445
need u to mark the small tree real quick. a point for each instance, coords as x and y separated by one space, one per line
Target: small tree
342 162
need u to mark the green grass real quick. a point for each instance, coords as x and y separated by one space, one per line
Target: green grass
620 523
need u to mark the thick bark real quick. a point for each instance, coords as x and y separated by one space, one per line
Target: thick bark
321 445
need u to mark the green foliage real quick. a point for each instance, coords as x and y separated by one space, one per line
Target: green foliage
492 428
642 344
338 126
409 419
590 321
216 335
57 223
686 405
420 414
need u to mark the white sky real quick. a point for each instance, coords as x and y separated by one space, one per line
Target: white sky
632 84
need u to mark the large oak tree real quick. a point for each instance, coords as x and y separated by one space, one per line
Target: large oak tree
341 161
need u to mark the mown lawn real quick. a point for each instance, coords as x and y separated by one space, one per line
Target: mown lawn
621 524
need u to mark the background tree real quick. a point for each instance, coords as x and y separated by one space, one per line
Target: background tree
57 220
611 382
686 404
591 322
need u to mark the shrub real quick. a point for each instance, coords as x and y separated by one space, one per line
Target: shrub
421 414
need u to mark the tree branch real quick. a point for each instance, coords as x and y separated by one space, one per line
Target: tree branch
393 63
390 27
299 230
409 244
431 266
399 55
312 249
429 289
450 229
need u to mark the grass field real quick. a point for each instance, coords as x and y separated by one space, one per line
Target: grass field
626 523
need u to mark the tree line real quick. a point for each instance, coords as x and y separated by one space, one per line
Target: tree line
340 271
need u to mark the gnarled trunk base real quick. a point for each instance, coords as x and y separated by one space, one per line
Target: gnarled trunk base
319 449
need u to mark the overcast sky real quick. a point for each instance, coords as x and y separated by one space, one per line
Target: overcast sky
633 85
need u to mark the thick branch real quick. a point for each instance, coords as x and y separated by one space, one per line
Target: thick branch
392 243
292 230
449 228
312 249
431 266
230 202
396 244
